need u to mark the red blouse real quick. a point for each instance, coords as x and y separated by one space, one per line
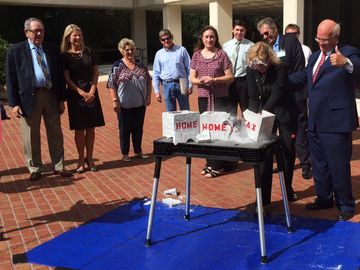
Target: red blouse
214 67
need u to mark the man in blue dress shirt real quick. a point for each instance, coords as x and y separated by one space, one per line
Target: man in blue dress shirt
171 64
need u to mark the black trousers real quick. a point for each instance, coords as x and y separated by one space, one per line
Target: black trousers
238 95
302 141
221 104
288 156
131 123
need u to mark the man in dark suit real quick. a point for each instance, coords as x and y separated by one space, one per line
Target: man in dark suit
288 49
36 88
330 76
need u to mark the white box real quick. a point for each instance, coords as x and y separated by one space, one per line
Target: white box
180 125
213 122
259 126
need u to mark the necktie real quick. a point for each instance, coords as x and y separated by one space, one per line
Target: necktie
322 60
235 55
44 68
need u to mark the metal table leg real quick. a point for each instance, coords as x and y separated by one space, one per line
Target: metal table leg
280 163
188 182
153 200
260 212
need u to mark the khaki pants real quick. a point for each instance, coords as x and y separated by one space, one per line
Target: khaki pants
46 105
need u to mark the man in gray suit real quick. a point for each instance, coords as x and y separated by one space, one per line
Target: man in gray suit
36 88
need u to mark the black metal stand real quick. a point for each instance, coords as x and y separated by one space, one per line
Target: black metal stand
253 153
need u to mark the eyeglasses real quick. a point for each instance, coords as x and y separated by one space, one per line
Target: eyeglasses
166 39
267 33
323 40
36 31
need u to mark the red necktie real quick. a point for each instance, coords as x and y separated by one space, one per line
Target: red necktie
322 60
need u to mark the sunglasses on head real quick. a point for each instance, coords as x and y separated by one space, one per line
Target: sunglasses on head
166 39
257 63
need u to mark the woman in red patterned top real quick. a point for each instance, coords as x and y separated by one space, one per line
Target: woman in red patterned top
211 71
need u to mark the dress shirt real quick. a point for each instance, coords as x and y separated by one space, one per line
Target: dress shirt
307 52
170 65
349 68
241 63
39 75
276 45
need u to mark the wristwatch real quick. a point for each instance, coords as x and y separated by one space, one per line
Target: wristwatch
347 63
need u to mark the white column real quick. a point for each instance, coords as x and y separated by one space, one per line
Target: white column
220 14
294 13
172 21
138 29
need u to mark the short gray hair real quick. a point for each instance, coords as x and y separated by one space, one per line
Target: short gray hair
336 31
28 22
126 42
165 32
267 21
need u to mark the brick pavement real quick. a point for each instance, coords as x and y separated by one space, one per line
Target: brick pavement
35 212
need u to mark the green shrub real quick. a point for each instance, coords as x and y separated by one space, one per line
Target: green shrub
4 45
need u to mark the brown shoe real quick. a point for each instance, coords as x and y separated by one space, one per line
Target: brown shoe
64 173
34 176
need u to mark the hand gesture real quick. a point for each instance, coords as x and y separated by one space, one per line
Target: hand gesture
337 59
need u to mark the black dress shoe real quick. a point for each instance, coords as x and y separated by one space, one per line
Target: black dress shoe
34 176
292 197
64 173
307 173
317 205
345 215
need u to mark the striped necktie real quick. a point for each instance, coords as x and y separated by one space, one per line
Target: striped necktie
44 68
322 60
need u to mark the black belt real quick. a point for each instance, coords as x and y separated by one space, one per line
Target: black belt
240 78
42 88
171 80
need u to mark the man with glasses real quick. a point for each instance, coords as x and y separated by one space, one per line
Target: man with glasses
237 50
171 64
330 77
36 88
288 49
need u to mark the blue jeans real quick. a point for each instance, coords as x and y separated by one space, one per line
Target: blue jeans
171 93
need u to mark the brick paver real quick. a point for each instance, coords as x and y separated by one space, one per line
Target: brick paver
35 212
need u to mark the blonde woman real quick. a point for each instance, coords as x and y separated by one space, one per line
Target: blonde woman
268 90
81 76
130 88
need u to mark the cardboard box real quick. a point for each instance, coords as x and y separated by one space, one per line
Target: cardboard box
259 126
180 125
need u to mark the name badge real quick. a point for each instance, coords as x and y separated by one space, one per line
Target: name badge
281 54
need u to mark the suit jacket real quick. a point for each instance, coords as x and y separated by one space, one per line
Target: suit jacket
20 76
294 59
332 106
269 92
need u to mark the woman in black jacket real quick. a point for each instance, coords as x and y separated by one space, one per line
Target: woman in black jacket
268 90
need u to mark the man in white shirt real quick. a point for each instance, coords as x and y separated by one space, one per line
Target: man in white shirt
237 50
302 144
294 28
